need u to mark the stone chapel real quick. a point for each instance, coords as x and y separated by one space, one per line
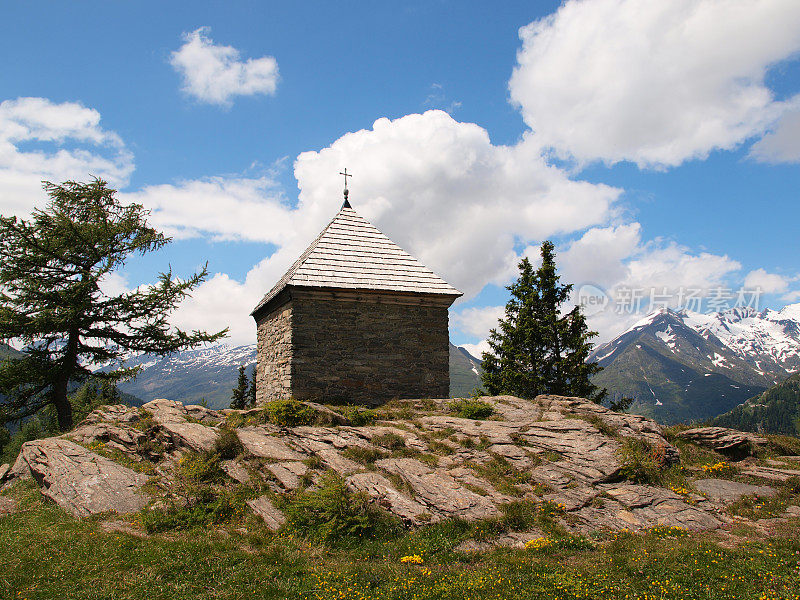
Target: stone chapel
355 319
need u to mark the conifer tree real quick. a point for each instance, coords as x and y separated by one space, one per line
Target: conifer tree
51 301
239 396
251 392
536 349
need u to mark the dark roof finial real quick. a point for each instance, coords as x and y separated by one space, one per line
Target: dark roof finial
346 191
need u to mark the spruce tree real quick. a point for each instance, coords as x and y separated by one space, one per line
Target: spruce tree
251 392
239 396
536 349
51 300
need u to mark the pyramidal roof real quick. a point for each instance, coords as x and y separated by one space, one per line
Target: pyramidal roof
351 253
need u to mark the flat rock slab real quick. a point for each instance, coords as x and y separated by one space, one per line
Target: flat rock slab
643 506
123 438
378 487
771 473
792 511
4 469
730 442
514 539
166 411
173 417
235 471
258 441
80 481
117 526
273 518
726 492
192 435
439 491
288 473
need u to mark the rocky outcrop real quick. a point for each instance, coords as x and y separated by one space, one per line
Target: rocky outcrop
629 506
557 452
80 481
723 491
263 507
730 442
189 426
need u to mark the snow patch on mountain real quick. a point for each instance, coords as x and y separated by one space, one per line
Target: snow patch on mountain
769 340
668 337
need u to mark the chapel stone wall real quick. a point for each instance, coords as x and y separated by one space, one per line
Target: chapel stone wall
367 352
274 355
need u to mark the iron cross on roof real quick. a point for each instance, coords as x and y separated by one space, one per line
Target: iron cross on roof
346 191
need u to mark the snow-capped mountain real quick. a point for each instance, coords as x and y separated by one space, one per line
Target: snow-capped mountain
211 373
191 376
681 365
769 340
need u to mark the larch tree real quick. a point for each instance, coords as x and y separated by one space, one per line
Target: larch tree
537 348
239 396
52 303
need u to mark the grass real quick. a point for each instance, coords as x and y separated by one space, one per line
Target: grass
140 466
47 554
503 476
472 409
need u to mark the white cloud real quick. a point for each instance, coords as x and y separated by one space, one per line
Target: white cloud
477 321
768 283
619 263
223 208
793 296
215 74
437 187
72 145
782 144
656 83
445 193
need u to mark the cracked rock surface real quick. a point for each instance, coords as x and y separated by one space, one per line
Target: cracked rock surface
424 466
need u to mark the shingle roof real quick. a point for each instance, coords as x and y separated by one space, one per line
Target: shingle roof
351 253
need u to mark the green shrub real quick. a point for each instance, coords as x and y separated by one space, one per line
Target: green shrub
519 515
784 444
235 419
359 416
601 425
194 468
209 508
503 476
792 485
365 456
332 513
472 409
289 413
390 441
639 462
228 445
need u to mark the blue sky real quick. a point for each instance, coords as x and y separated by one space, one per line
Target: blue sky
656 143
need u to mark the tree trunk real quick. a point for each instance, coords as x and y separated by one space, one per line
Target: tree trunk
63 407
60 400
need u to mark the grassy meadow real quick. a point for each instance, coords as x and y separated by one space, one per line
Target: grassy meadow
46 553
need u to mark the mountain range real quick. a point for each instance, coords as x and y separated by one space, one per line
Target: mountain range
777 410
684 366
209 374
